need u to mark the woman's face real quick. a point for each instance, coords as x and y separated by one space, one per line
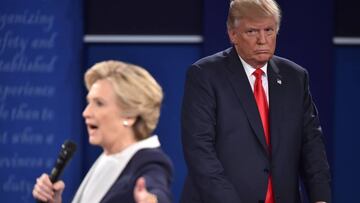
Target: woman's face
103 116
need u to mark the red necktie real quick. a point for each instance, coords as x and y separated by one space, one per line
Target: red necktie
263 108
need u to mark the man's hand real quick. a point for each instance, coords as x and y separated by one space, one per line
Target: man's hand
141 195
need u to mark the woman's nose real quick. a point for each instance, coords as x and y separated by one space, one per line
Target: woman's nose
86 112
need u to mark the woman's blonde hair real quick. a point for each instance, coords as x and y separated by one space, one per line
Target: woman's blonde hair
138 93
251 9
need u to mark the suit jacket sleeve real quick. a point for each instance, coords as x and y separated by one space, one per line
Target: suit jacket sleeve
154 166
157 182
199 139
158 175
315 168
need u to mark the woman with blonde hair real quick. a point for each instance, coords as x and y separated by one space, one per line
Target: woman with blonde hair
123 109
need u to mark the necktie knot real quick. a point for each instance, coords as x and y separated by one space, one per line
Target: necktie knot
258 73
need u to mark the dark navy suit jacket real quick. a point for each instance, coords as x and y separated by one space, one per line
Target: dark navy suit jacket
152 164
223 139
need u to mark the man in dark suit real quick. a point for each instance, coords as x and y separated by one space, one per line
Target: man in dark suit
250 129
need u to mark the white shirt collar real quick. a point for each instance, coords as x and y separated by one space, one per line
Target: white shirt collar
106 169
249 69
150 142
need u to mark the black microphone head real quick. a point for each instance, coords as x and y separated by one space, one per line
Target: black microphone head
68 148
66 153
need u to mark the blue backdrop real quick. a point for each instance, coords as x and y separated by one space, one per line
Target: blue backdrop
40 60
346 165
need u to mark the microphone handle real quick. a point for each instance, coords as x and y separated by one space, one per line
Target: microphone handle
67 151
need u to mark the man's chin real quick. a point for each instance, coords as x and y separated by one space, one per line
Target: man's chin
263 58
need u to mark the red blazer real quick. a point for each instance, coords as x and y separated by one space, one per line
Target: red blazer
224 143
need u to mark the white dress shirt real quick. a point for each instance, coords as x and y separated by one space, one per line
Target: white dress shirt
249 73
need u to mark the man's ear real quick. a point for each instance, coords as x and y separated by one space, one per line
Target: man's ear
232 35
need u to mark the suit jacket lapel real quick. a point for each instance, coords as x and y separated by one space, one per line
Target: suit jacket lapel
242 88
275 82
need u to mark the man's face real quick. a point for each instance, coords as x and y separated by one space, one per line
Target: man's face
254 39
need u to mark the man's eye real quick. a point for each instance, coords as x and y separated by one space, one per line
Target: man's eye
269 30
251 32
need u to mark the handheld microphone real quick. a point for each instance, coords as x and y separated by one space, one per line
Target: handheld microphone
66 153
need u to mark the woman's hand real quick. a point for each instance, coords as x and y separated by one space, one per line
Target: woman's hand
141 195
45 191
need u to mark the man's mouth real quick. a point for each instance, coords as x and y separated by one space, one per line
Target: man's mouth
261 51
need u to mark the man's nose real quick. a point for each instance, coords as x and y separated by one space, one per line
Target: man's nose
261 37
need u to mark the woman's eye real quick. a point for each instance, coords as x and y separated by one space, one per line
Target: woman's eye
99 103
